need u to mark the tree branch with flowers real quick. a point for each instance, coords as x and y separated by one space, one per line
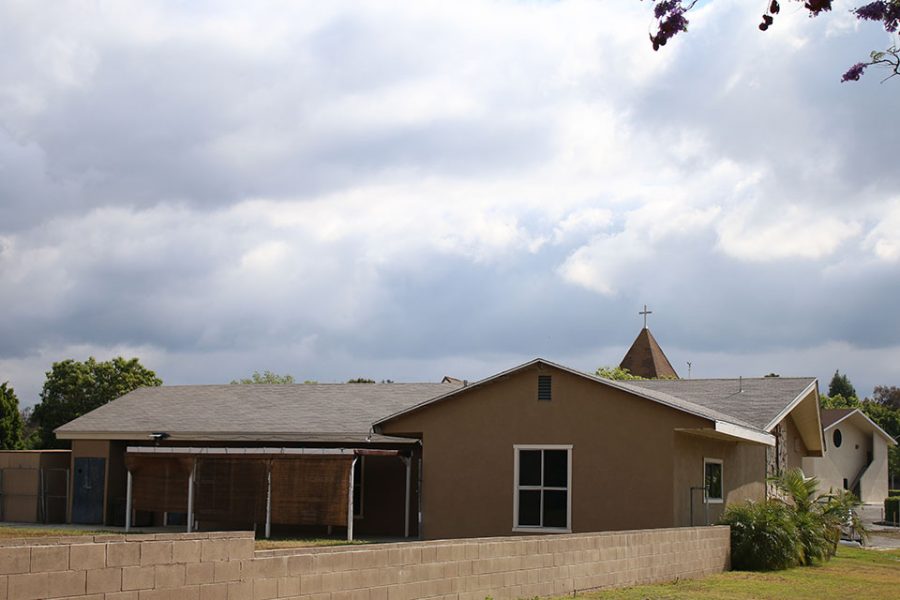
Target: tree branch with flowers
671 19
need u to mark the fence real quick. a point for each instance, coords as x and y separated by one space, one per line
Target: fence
33 494
225 565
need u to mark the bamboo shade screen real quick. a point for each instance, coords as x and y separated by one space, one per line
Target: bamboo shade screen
311 490
231 490
159 483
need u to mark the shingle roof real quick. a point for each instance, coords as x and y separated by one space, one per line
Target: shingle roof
757 401
310 412
646 359
830 416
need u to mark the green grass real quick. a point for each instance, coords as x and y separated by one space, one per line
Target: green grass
30 532
853 573
275 544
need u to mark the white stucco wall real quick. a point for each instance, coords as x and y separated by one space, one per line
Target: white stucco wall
846 461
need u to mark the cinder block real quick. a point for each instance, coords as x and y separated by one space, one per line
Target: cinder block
87 556
138 578
288 586
240 590
66 583
197 573
187 551
185 593
104 580
310 584
121 596
214 591
271 567
215 549
169 576
156 553
30 586
238 548
123 554
49 558
265 589
300 565
14 560
226 571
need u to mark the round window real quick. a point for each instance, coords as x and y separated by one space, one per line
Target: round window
837 438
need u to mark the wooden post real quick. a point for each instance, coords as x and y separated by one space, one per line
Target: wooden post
190 506
128 502
407 460
269 500
350 501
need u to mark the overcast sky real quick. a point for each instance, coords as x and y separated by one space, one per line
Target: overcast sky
405 190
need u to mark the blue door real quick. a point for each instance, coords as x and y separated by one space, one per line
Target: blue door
87 498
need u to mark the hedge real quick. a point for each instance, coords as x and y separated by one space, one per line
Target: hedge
892 509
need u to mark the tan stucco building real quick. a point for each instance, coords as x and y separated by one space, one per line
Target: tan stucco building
856 455
537 448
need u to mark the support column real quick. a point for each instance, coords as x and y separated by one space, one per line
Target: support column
190 506
350 501
269 501
408 462
128 502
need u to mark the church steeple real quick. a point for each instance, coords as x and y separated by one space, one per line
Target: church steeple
645 358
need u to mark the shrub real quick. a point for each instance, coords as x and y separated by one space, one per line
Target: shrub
892 509
763 536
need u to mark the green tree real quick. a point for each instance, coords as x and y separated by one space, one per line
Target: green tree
838 401
840 386
10 419
73 388
617 373
888 395
361 380
265 377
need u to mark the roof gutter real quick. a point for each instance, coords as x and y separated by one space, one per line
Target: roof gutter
745 433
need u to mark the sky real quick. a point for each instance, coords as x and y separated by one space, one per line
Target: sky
411 189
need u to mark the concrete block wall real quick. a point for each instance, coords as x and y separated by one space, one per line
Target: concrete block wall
224 566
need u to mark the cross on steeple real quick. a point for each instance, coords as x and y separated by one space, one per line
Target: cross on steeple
645 312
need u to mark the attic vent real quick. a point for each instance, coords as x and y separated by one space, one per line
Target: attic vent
544 387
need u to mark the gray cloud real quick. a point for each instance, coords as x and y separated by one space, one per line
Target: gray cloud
344 191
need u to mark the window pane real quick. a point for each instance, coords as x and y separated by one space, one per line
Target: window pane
714 480
529 508
556 468
555 508
529 467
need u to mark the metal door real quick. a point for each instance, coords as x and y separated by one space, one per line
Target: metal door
87 499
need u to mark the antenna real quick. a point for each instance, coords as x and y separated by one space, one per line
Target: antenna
689 368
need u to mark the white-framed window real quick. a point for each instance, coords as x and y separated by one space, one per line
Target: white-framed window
359 470
713 481
542 493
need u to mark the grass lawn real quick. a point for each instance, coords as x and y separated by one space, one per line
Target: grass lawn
30 532
275 544
853 573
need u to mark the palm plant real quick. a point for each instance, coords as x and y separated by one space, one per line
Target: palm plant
819 518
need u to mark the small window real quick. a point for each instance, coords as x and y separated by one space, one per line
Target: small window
837 438
358 482
543 476
544 387
712 480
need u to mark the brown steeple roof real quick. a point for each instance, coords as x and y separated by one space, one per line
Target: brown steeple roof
646 359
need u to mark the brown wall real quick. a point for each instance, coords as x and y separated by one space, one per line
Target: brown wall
222 566
622 470
743 471
796 449
89 449
20 484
